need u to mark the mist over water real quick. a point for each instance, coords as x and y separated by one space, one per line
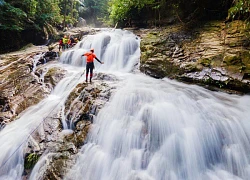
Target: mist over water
150 129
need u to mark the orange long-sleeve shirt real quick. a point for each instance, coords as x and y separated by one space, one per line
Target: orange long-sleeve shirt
90 56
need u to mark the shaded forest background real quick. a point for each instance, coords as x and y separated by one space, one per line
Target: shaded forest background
35 21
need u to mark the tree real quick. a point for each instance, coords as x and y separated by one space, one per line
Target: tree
95 11
47 11
69 10
11 18
125 9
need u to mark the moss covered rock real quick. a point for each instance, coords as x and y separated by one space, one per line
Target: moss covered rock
187 54
205 62
30 160
232 60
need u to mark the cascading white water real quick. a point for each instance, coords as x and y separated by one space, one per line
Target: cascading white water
119 50
161 129
13 138
150 130
36 58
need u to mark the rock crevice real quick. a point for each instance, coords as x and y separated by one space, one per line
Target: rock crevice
215 55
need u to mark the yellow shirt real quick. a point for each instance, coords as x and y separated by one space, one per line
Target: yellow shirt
65 40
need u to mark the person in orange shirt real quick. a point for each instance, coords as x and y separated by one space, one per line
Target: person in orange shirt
90 63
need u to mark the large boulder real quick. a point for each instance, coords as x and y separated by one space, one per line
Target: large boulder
215 55
52 151
81 22
25 81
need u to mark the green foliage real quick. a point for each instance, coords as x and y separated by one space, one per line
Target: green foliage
11 18
47 11
200 9
240 9
102 11
125 9
22 14
30 7
183 10
27 21
31 160
69 11
95 11
119 10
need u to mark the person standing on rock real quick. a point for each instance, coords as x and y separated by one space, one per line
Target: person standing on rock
90 63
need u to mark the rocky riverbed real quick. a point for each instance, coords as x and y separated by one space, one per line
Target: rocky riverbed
215 55
29 75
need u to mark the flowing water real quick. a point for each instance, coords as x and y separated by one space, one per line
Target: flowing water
160 129
13 138
150 130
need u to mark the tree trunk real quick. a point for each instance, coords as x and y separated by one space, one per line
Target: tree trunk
64 16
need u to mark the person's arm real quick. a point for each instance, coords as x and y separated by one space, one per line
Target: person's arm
98 60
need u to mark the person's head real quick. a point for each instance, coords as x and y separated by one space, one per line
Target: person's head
92 50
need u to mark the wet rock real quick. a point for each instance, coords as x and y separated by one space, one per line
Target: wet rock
246 76
206 62
50 56
85 98
54 75
22 85
232 60
81 22
4 104
186 55
45 58
57 148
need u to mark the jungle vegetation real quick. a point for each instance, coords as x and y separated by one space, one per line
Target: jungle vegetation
21 17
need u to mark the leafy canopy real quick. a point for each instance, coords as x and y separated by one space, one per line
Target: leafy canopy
121 9
21 14
240 9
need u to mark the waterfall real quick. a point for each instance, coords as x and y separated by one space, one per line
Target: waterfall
119 50
14 137
162 129
35 61
151 129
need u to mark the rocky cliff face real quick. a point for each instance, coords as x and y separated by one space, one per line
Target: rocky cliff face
27 77
215 55
56 149
23 85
